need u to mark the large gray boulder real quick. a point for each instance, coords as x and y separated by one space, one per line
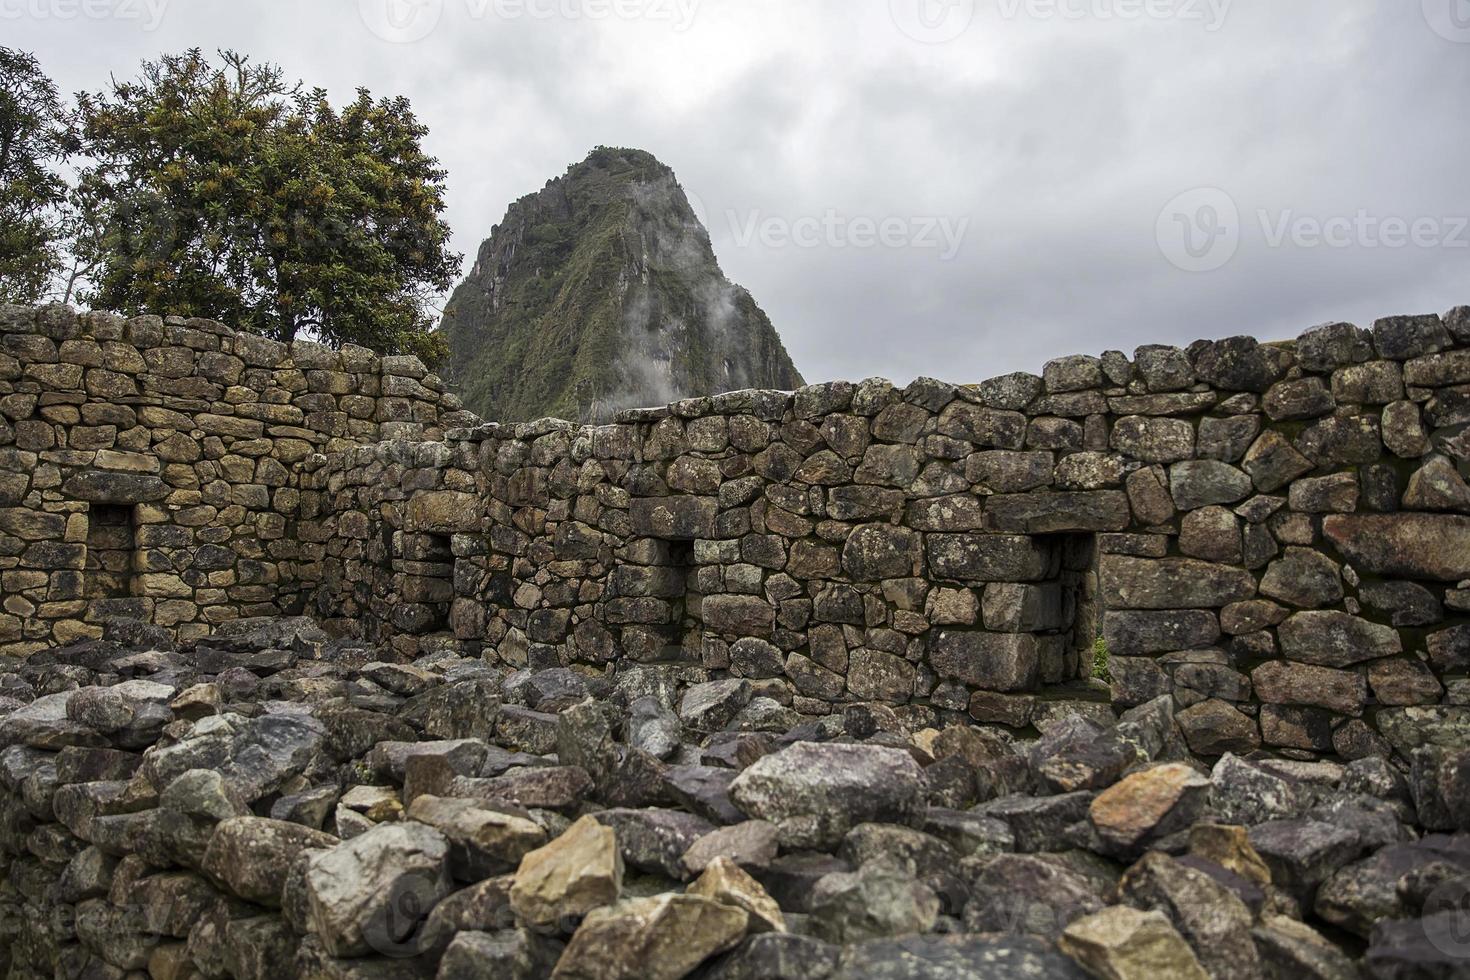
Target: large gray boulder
875 902
252 855
815 793
370 894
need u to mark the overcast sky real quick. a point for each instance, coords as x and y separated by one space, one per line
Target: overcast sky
957 188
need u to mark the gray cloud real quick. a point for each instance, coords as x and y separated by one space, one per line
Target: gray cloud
1059 138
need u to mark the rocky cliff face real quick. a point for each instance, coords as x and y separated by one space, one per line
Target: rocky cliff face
599 293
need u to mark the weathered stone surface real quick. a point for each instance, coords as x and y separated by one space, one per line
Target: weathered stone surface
1345 692
816 793
1208 914
988 557
1303 853
1272 462
1248 794
659 938
482 842
1336 494
739 615
1437 486
711 706
1212 534
1036 822
516 955
443 512
1417 546
1205 482
1123 943
1304 398
777 956
752 845
579 871
361 891
674 518
1336 639
1333 345
875 902
1172 583
1303 578
878 551
990 661
251 855
1129 633
655 840
1241 364
724 882
1146 805
1432 946
1153 440
1400 338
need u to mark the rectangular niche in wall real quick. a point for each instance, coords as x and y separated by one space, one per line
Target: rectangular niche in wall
653 608
110 548
425 581
1038 611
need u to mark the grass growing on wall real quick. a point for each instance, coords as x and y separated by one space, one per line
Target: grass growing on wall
1100 661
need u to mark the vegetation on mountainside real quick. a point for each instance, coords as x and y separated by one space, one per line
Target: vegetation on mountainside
601 292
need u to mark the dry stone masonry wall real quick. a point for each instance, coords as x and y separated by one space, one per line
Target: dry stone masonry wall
737 689
1277 535
151 468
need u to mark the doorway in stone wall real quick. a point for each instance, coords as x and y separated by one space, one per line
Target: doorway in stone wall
111 542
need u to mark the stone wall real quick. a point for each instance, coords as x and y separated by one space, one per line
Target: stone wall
1276 534
151 468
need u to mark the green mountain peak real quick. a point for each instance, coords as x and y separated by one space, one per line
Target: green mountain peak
601 292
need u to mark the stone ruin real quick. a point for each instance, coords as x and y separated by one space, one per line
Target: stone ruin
783 684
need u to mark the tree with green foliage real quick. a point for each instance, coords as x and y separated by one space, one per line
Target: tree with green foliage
36 134
226 192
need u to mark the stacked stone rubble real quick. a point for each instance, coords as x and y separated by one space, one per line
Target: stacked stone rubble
270 804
